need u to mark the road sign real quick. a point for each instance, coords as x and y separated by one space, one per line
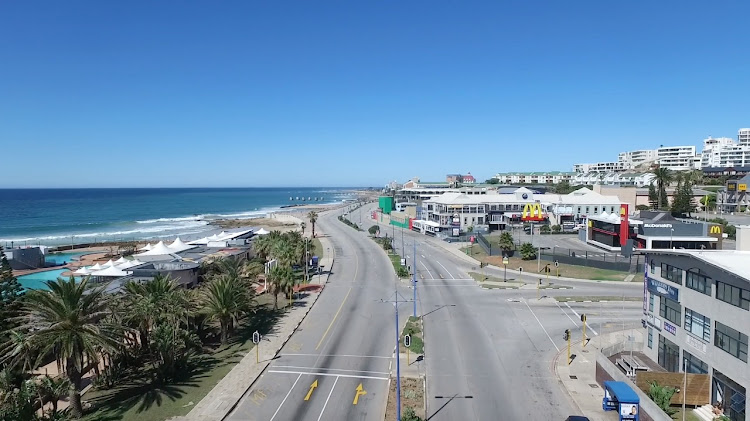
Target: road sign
407 340
505 260
556 263
256 337
520 269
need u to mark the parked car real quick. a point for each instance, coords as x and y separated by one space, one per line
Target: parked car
576 418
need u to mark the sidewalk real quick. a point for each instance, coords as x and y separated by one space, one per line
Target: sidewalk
220 401
586 397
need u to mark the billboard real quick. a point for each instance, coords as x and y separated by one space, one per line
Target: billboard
532 212
663 289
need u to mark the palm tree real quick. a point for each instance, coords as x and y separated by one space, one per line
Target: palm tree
225 299
67 321
313 217
52 390
662 177
284 253
506 243
145 303
282 282
18 351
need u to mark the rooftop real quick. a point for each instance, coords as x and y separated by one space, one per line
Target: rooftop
733 261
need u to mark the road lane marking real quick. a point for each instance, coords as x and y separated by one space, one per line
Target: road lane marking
335 355
575 323
348 376
334 318
541 325
329 369
359 391
425 268
329 397
579 316
312 387
441 265
285 398
455 279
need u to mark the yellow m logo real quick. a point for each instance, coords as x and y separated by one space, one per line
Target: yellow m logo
715 229
532 212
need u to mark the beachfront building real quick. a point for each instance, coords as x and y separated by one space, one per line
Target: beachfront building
455 179
24 258
600 167
678 158
454 213
696 306
620 179
632 159
541 177
743 136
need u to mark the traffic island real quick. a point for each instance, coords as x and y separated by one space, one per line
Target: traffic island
411 358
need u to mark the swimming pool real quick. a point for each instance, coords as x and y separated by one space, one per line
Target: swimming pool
64 257
37 280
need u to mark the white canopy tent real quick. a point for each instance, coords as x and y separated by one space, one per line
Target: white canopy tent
147 247
111 272
83 270
178 246
130 264
109 264
158 250
120 261
96 267
262 231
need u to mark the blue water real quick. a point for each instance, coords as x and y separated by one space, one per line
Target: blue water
37 280
52 216
65 257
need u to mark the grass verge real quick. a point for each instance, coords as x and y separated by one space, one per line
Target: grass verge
413 328
319 250
139 398
412 396
530 267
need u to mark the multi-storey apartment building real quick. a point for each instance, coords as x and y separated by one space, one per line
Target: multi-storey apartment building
678 158
632 159
743 136
599 167
697 307
724 152
548 177
613 179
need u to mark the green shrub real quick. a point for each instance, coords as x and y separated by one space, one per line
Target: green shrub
556 228
662 396
374 230
528 251
410 415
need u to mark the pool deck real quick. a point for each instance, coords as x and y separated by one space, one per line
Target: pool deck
97 253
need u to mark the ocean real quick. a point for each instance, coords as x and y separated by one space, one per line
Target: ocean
61 216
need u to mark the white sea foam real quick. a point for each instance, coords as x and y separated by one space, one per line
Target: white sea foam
179 219
176 227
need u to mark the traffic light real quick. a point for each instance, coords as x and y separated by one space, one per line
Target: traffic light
583 318
566 335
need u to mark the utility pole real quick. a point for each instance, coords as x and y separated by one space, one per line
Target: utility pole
395 302
414 278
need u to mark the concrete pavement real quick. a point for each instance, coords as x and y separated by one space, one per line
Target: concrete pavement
579 377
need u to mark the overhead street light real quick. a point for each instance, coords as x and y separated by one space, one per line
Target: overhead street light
539 258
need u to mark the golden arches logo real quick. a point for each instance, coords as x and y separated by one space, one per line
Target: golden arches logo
715 229
532 212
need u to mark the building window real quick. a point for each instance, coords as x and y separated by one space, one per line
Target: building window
735 296
579 210
653 266
596 209
731 341
670 310
587 210
651 338
698 324
693 364
650 302
671 273
480 220
669 355
698 282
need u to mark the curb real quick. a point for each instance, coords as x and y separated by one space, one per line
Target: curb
560 381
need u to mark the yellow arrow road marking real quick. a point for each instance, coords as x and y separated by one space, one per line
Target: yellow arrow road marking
359 392
312 387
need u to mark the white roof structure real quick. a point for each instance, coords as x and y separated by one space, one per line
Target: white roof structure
83 270
178 246
130 264
96 267
262 231
111 272
121 260
110 263
158 250
147 247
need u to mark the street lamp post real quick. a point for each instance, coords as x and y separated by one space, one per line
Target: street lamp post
671 236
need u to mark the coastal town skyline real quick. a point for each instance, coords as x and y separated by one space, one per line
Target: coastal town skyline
172 97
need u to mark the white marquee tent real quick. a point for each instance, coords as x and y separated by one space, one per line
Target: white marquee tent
147 247
178 246
111 272
160 249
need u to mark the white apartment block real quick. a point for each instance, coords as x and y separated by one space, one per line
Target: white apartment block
549 177
678 158
743 136
725 152
599 167
613 179
633 159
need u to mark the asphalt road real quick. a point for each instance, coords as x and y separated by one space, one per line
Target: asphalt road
489 353
346 340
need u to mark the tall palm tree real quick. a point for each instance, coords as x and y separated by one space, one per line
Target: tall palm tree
67 321
282 282
313 217
18 351
285 253
146 302
226 299
662 177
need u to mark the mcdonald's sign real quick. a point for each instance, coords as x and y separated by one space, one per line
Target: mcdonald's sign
715 229
533 212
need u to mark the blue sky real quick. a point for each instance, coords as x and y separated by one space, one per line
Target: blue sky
319 93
